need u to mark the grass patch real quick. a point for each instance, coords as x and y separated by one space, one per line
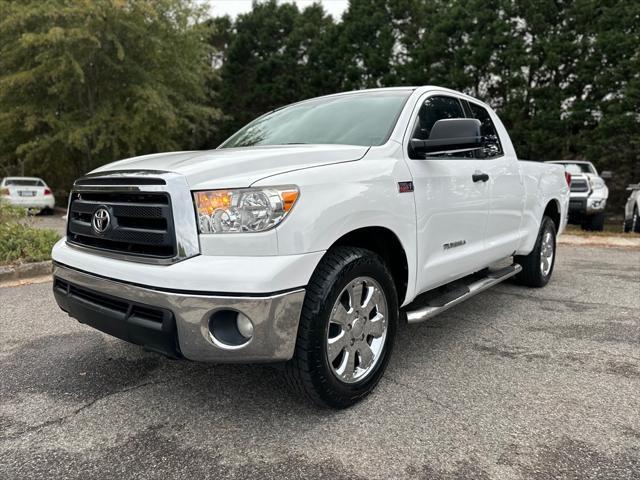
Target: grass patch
610 230
20 241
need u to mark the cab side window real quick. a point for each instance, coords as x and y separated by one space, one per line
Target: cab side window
434 109
491 146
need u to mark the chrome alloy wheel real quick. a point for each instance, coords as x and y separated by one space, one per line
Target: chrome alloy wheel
546 253
357 330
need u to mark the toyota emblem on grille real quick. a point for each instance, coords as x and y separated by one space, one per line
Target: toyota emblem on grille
101 220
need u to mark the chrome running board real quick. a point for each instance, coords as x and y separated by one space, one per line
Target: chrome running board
432 303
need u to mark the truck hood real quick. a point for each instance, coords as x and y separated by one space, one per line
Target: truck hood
238 167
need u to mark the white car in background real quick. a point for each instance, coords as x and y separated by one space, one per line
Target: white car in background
632 210
27 192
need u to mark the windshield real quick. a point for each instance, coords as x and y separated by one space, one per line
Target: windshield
364 119
22 182
577 168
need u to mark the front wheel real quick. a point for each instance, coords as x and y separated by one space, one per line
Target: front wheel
537 267
346 329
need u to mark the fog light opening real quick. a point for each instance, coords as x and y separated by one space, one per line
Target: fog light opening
230 329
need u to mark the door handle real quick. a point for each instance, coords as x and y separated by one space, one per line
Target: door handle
480 177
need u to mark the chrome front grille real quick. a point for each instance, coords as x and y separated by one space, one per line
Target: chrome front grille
140 224
145 219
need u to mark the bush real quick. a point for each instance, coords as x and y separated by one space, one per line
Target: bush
20 241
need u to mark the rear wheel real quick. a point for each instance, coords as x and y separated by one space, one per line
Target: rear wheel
635 221
346 329
537 267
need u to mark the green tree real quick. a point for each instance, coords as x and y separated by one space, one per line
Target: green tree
271 58
366 44
608 107
86 82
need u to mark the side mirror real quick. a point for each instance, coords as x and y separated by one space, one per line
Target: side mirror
450 134
606 174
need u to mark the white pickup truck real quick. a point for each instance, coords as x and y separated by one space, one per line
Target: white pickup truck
589 193
310 234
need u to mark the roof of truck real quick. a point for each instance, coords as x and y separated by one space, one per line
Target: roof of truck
421 88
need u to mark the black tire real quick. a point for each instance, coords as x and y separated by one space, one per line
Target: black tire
635 221
309 372
594 223
532 274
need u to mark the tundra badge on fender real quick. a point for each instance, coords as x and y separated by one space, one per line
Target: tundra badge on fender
457 243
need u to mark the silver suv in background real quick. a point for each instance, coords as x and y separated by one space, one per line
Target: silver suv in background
632 209
589 194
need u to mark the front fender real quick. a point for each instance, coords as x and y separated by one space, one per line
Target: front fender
338 199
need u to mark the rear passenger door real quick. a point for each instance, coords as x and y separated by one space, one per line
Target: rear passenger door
452 209
505 185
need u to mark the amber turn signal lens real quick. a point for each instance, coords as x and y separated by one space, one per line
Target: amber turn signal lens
289 197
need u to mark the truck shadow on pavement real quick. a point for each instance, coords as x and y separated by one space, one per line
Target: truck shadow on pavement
74 400
86 366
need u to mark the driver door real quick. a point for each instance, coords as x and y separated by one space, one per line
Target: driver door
452 207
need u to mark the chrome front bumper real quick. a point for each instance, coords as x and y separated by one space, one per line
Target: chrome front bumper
275 317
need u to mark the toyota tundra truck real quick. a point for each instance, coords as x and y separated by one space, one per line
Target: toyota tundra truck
589 194
309 235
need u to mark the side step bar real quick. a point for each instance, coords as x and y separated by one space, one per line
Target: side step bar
441 300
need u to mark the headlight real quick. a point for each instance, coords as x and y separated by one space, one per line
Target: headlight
244 209
596 183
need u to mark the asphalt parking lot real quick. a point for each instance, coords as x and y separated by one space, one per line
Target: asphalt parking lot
515 383
53 221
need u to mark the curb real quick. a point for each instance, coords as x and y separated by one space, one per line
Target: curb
24 271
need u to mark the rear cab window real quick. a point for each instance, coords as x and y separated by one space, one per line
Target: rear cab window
491 146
